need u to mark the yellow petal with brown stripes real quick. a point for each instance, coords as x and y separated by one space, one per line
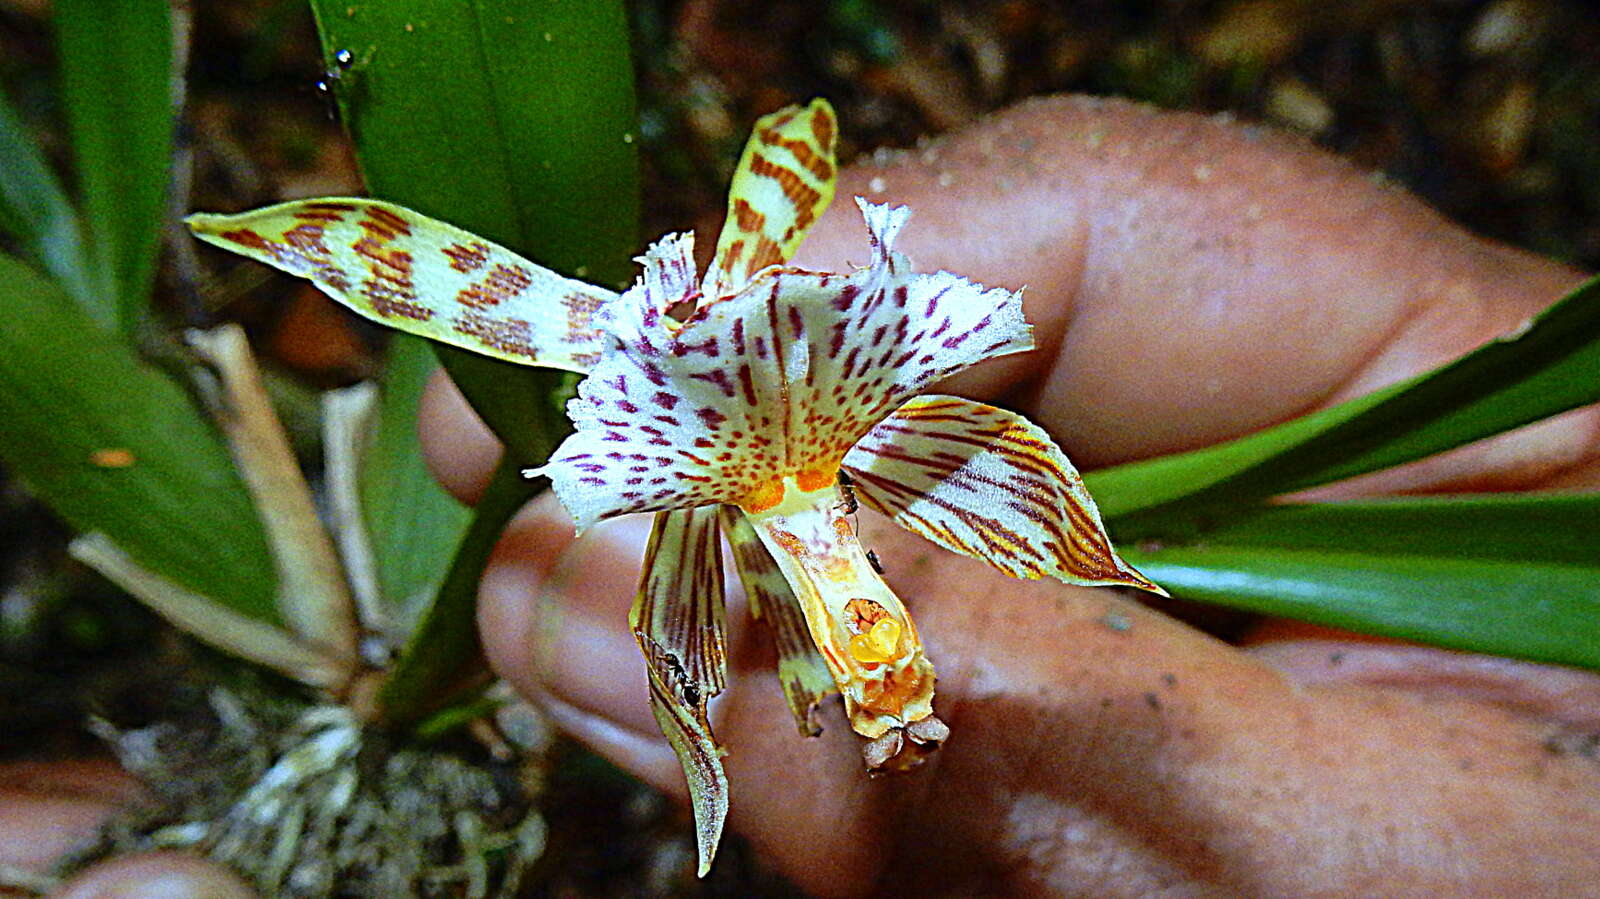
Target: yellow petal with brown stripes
422 276
802 672
989 484
783 183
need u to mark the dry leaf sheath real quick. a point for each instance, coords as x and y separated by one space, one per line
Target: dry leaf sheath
728 405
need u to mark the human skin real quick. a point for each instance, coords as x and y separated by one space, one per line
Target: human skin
1189 280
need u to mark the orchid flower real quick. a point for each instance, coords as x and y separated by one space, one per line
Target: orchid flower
758 403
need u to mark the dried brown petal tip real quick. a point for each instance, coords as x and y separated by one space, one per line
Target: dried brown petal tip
929 732
894 752
881 751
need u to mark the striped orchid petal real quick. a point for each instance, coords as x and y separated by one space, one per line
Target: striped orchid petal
989 484
775 382
802 672
678 621
783 183
422 276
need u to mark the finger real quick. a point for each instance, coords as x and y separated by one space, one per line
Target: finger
1191 280
1078 714
49 809
459 448
157 875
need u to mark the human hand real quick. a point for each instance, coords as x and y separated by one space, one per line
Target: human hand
48 809
1189 281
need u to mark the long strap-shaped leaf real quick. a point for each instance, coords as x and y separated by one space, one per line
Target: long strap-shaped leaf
1532 610
34 209
1515 575
1524 527
116 80
116 447
679 622
513 119
1549 367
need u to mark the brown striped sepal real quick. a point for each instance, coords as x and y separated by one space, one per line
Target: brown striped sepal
802 672
783 183
410 272
989 484
679 623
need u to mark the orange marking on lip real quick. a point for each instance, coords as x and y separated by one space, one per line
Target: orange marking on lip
890 695
812 479
791 544
763 498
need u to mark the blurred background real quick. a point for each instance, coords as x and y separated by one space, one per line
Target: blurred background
1490 111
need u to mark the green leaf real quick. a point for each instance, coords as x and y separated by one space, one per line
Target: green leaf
114 446
1549 367
117 84
514 120
1536 610
413 525
1518 527
34 208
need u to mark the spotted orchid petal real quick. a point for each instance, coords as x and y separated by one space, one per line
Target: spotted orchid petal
678 621
989 484
783 183
775 382
422 276
802 672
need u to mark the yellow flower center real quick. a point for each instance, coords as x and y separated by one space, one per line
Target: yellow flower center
881 642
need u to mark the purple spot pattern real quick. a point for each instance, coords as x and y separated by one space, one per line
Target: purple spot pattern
782 377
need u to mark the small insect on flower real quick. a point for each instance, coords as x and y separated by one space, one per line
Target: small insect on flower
770 404
849 506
